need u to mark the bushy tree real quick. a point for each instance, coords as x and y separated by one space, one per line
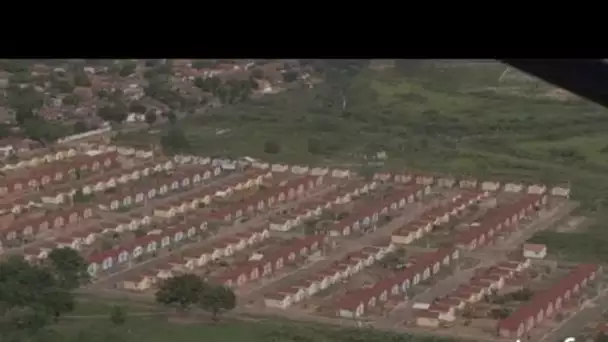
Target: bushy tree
184 291
32 297
215 299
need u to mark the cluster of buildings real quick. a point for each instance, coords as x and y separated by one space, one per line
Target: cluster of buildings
494 278
369 215
545 304
332 274
357 303
499 219
314 208
270 262
471 183
437 216
55 172
196 257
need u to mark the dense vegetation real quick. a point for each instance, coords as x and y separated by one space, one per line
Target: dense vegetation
34 297
185 291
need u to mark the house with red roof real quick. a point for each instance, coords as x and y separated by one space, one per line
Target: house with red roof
355 304
546 303
500 219
436 216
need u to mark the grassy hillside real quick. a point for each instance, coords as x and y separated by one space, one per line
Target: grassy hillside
454 118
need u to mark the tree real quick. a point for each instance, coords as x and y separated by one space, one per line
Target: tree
200 83
25 101
114 114
150 63
30 299
272 147
215 299
137 107
183 290
23 115
174 140
172 117
118 315
290 76
63 86
42 131
80 127
81 79
150 118
71 100
69 267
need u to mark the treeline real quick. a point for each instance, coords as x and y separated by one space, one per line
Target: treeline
189 290
33 297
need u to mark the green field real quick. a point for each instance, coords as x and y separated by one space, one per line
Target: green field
91 326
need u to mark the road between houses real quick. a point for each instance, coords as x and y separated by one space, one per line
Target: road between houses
404 310
234 229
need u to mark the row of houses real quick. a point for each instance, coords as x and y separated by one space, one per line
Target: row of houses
104 181
56 172
94 230
368 215
40 222
499 219
471 183
315 208
195 258
437 216
129 251
286 191
135 221
334 273
358 302
483 283
39 157
126 151
277 167
127 195
546 303
268 263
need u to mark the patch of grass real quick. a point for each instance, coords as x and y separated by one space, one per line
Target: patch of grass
157 330
586 148
95 307
588 245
